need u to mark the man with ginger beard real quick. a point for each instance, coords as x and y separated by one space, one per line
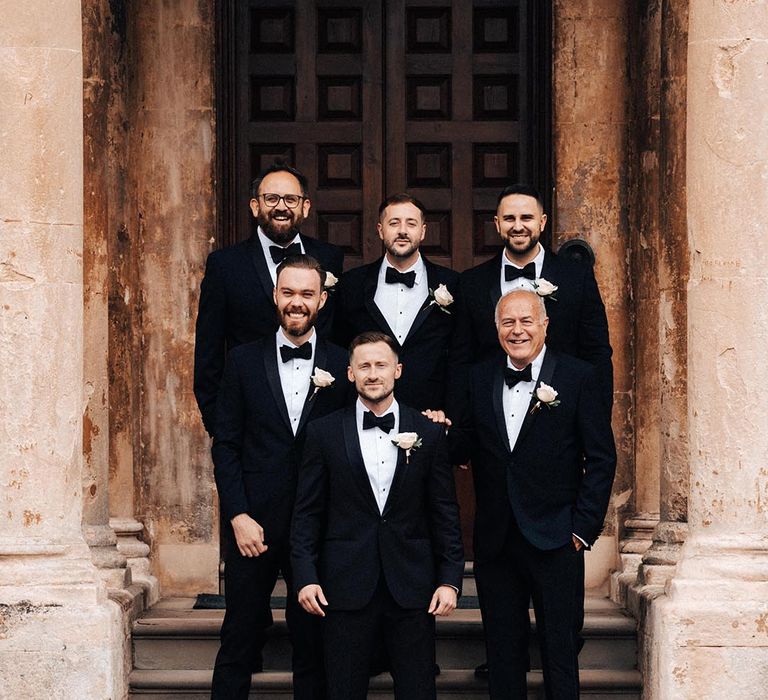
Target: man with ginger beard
270 389
236 304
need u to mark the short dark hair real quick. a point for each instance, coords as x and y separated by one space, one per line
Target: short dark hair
403 198
305 262
373 337
280 166
521 188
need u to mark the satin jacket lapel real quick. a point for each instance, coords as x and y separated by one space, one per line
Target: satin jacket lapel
262 271
498 405
355 458
406 426
369 292
321 356
545 375
494 288
428 307
273 379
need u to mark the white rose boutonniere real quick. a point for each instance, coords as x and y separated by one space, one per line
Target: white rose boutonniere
330 280
545 288
546 395
442 297
407 442
321 379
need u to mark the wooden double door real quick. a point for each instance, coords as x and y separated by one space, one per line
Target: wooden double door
446 100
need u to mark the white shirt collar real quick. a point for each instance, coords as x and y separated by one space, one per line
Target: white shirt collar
538 260
535 363
283 339
361 408
418 267
266 242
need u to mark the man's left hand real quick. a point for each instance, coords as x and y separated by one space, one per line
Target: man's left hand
577 543
443 601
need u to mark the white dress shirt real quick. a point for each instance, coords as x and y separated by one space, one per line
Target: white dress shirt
520 282
379 454
295 377
400 304
271 264
517 399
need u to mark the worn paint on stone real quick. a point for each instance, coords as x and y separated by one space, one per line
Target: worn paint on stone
590 101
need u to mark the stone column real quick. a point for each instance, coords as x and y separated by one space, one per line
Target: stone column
672 411
710 632
642 512
55 618
99 536
590 99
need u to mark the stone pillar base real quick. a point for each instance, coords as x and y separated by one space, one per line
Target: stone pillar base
708 637
111 565
55 622
136 553
660 559
638 537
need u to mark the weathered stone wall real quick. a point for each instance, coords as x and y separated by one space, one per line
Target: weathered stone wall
590 101
172 172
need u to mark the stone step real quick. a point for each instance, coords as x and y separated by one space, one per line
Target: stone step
596 684
172 636
468 588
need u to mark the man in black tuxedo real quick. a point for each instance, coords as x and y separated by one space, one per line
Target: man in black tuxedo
269 391
577 321
375 541
543 466
236 303
407 297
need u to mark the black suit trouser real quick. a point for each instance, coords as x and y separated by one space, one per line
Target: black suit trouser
351 636
249 582
554 580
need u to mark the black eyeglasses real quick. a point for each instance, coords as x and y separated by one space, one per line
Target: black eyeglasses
291 200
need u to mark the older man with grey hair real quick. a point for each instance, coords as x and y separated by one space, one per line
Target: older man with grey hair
543 457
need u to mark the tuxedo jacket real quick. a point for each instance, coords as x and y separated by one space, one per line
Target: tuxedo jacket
236 307
424 352
557 480
577 322
340 540
255 453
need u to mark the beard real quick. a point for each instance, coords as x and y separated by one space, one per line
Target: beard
295 327
280 233
396 253
375 399
533 241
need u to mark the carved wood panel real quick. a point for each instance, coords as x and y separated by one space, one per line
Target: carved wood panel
310 93
440 98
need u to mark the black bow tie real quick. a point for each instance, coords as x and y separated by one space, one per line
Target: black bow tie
303 352
279 254
394 276
385 422
512 273
512 376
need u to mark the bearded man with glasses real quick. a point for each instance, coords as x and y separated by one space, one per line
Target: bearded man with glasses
236 302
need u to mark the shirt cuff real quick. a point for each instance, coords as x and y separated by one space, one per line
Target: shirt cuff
582 540
451 586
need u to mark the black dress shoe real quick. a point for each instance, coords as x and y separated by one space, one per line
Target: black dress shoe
481 671
437 669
